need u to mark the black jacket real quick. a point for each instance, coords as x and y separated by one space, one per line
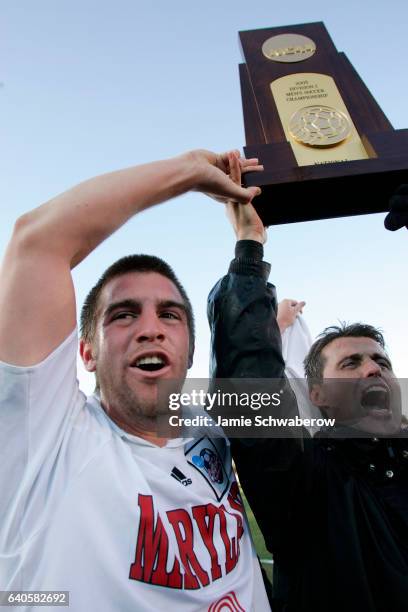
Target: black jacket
333 510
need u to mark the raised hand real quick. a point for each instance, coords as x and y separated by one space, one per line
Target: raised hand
244 218
212 176
288 310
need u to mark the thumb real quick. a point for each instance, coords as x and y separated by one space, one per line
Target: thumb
240 195
253 192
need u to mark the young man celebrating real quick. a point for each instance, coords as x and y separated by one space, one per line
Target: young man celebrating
92 501
333 509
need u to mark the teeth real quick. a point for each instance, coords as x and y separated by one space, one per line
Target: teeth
148 360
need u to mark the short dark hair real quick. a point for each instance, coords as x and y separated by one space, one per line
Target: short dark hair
132 263
314 361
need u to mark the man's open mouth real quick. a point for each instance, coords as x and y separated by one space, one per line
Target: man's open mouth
376 397
150 363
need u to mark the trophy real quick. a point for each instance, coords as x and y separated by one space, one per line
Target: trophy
327 148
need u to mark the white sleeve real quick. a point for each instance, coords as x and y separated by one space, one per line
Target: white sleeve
38 405
296 343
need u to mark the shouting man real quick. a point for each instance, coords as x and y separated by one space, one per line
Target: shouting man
92 501
333 509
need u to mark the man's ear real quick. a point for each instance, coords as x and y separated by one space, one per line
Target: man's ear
318 396
87 354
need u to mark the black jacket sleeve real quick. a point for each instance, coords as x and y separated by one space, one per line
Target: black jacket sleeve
246 343
245 337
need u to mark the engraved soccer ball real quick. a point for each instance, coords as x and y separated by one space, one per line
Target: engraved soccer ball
319 126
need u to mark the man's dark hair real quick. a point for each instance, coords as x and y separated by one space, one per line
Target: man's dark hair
314 361
131 263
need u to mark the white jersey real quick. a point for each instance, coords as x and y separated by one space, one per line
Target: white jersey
120 523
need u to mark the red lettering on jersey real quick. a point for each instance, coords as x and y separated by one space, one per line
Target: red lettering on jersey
234 498
235 501
152 550
205 519
200 514
231 546
152 547
185 541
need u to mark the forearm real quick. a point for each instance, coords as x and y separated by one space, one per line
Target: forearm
245 337
246 340
246 344
71 225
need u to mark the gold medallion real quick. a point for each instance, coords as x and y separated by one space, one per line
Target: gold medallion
288 48
319 126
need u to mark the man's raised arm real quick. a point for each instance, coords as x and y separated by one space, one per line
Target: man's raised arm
37 299
246 340
246 344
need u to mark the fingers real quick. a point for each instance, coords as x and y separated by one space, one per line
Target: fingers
242 195
243 165
299 307
253 191
293 305
250 165
223 161
235 168
246 195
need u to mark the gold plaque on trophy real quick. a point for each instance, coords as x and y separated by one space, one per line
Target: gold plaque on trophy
315 119
288 48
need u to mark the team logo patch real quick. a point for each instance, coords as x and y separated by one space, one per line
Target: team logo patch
210 461
180 477
210 457
227 603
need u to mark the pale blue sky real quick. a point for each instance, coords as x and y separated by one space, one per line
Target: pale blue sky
92 86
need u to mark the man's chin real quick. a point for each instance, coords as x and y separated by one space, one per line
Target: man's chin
145 404
379 422
148 402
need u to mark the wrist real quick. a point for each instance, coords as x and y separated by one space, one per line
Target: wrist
251 235
249 249
195 165
282 324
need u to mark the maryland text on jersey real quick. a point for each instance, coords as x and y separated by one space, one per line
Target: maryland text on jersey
215 523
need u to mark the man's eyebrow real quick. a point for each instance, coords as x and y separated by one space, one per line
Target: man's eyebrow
377 356
129 303
354 356
172 304
374 356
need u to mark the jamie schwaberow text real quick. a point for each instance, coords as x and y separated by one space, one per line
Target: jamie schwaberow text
241 421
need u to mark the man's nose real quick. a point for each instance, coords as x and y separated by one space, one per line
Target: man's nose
371 368
149 328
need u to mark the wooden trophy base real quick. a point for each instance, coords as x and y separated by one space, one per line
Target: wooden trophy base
292 193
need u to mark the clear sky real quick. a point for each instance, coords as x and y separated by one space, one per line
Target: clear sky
90 86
